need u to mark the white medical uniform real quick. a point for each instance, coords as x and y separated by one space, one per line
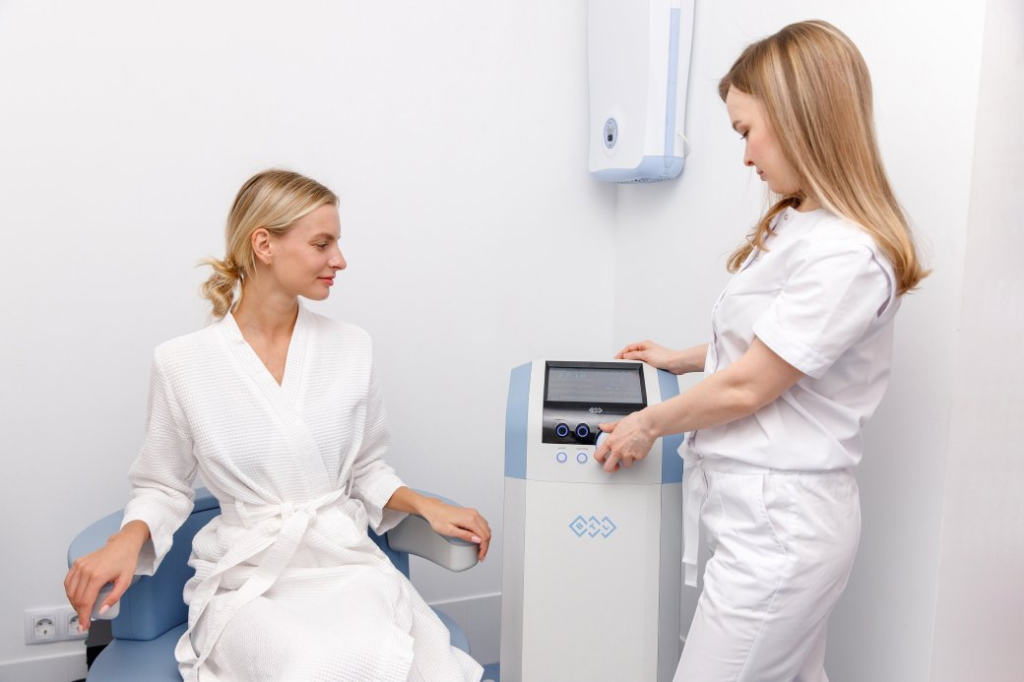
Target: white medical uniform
774 490
288 584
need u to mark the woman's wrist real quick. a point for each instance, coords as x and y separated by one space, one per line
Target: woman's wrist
425 506
133 535
647 421
690 360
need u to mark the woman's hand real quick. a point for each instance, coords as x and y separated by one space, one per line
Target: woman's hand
458 522
652 353
629 440
675 361
113 563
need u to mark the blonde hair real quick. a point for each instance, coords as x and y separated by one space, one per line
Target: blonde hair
816 91
274 200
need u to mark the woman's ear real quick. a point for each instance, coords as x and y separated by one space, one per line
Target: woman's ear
261 245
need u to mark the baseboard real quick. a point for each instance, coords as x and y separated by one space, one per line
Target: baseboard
60 667
480 618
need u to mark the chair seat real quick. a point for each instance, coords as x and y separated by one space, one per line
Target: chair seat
125 660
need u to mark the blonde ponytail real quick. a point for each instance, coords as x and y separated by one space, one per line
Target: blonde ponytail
219 289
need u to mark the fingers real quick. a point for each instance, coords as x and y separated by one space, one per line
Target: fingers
71 582
484 546
611 463
71 587
121 584
629 352
467 524
477 538
483 533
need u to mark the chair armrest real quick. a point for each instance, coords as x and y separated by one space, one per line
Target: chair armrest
415 536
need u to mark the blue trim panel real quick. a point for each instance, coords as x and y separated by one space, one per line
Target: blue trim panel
673 82
516 411
651 169
671 462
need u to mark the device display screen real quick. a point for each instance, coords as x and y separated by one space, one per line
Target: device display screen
593 385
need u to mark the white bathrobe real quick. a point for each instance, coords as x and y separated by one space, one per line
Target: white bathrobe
288 585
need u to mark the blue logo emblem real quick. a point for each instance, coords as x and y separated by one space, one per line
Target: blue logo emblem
592 526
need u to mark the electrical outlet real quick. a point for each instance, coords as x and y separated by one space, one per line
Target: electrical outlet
41 626
69 623
55 624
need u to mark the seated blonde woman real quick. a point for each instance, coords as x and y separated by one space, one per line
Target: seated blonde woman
280 411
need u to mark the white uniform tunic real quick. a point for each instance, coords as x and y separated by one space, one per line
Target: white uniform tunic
288 585
823 298
774 489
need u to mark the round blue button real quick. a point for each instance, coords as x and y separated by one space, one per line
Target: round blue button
582 430
562 430
561 457
581 457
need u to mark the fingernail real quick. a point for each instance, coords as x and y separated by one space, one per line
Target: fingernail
476 539
104 609
81 628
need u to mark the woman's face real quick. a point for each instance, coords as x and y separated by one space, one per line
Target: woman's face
305 260
763 150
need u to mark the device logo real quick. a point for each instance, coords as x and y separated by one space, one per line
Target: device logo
592 526
595 410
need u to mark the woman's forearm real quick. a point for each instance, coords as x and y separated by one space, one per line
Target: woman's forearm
691 360
409 501
712 402
756 379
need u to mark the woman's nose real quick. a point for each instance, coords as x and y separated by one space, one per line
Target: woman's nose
338 262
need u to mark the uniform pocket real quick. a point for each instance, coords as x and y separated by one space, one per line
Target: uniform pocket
775 504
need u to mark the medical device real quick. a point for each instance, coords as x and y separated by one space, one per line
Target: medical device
639 64
592 560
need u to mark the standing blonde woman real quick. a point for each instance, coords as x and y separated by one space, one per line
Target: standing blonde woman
280 411
798 361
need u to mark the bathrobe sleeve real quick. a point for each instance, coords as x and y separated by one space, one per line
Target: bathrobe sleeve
373 480
162 474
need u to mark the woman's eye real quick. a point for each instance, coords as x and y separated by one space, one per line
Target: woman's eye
321 246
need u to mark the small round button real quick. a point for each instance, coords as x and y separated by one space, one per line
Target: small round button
561 457
582 431
581 457
562 430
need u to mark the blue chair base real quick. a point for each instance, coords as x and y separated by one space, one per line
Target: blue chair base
126 660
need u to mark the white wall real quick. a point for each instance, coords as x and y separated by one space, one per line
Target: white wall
476 241
980 608
454 133
925 103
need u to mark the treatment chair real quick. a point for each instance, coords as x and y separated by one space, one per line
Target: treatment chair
152 613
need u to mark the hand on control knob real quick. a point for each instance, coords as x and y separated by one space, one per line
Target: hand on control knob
624 442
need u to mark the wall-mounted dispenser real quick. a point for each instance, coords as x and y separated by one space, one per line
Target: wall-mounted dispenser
639 65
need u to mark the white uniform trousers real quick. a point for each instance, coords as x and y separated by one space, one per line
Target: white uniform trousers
783 546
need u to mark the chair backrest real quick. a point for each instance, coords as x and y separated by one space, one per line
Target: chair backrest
154 604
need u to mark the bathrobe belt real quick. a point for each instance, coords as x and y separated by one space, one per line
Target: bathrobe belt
277 527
